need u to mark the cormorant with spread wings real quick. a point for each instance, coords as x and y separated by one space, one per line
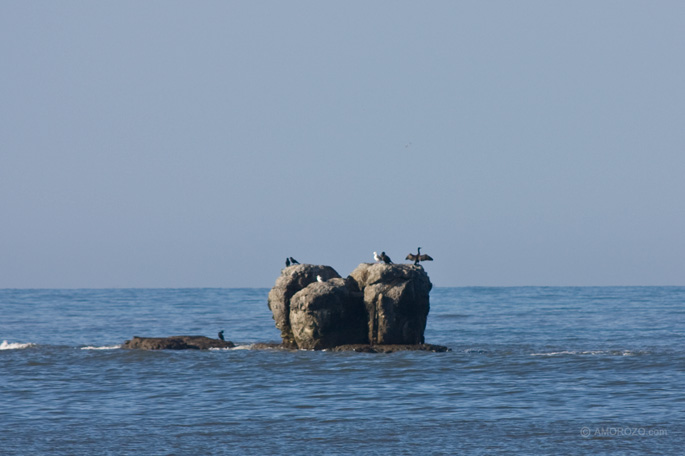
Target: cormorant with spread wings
418 257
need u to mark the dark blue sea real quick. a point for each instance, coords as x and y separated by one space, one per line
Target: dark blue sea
533 370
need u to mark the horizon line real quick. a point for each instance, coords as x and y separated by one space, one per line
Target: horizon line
267 288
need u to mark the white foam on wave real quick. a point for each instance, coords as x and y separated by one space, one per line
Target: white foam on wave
105 347
587 352
14 345
237 347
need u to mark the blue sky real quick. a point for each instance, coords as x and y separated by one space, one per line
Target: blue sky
179 144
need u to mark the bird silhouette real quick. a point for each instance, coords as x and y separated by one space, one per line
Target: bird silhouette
418 257
385 258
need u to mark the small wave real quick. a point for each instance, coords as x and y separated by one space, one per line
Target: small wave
237 347
14 345
588 352
105 347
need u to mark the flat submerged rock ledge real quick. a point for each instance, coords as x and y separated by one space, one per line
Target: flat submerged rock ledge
365 348
206 343
361 348
176 343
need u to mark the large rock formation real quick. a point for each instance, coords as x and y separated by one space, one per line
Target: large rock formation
396 300
293 279
377 304
176 343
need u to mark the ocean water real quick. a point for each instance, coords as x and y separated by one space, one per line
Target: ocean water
533 370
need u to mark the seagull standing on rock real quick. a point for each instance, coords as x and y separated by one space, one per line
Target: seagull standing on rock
319 279
376 257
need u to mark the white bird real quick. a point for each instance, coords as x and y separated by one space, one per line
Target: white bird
319 278
376 257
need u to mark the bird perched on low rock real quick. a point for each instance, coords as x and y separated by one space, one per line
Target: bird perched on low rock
319 278
376 258
385 258
418 257
287 262
293 261
221 335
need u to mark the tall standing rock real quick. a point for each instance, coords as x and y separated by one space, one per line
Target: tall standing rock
293 279
378 304
328 314
396 301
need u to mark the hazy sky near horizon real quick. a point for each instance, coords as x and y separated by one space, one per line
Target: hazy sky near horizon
193 144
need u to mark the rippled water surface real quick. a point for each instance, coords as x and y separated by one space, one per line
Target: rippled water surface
532 371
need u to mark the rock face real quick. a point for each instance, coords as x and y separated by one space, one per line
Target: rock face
293 279
176 343
378 304
396 300
326 314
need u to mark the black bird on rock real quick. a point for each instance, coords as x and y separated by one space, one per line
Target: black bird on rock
221 335
293 261
287 262
385 258
418 257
